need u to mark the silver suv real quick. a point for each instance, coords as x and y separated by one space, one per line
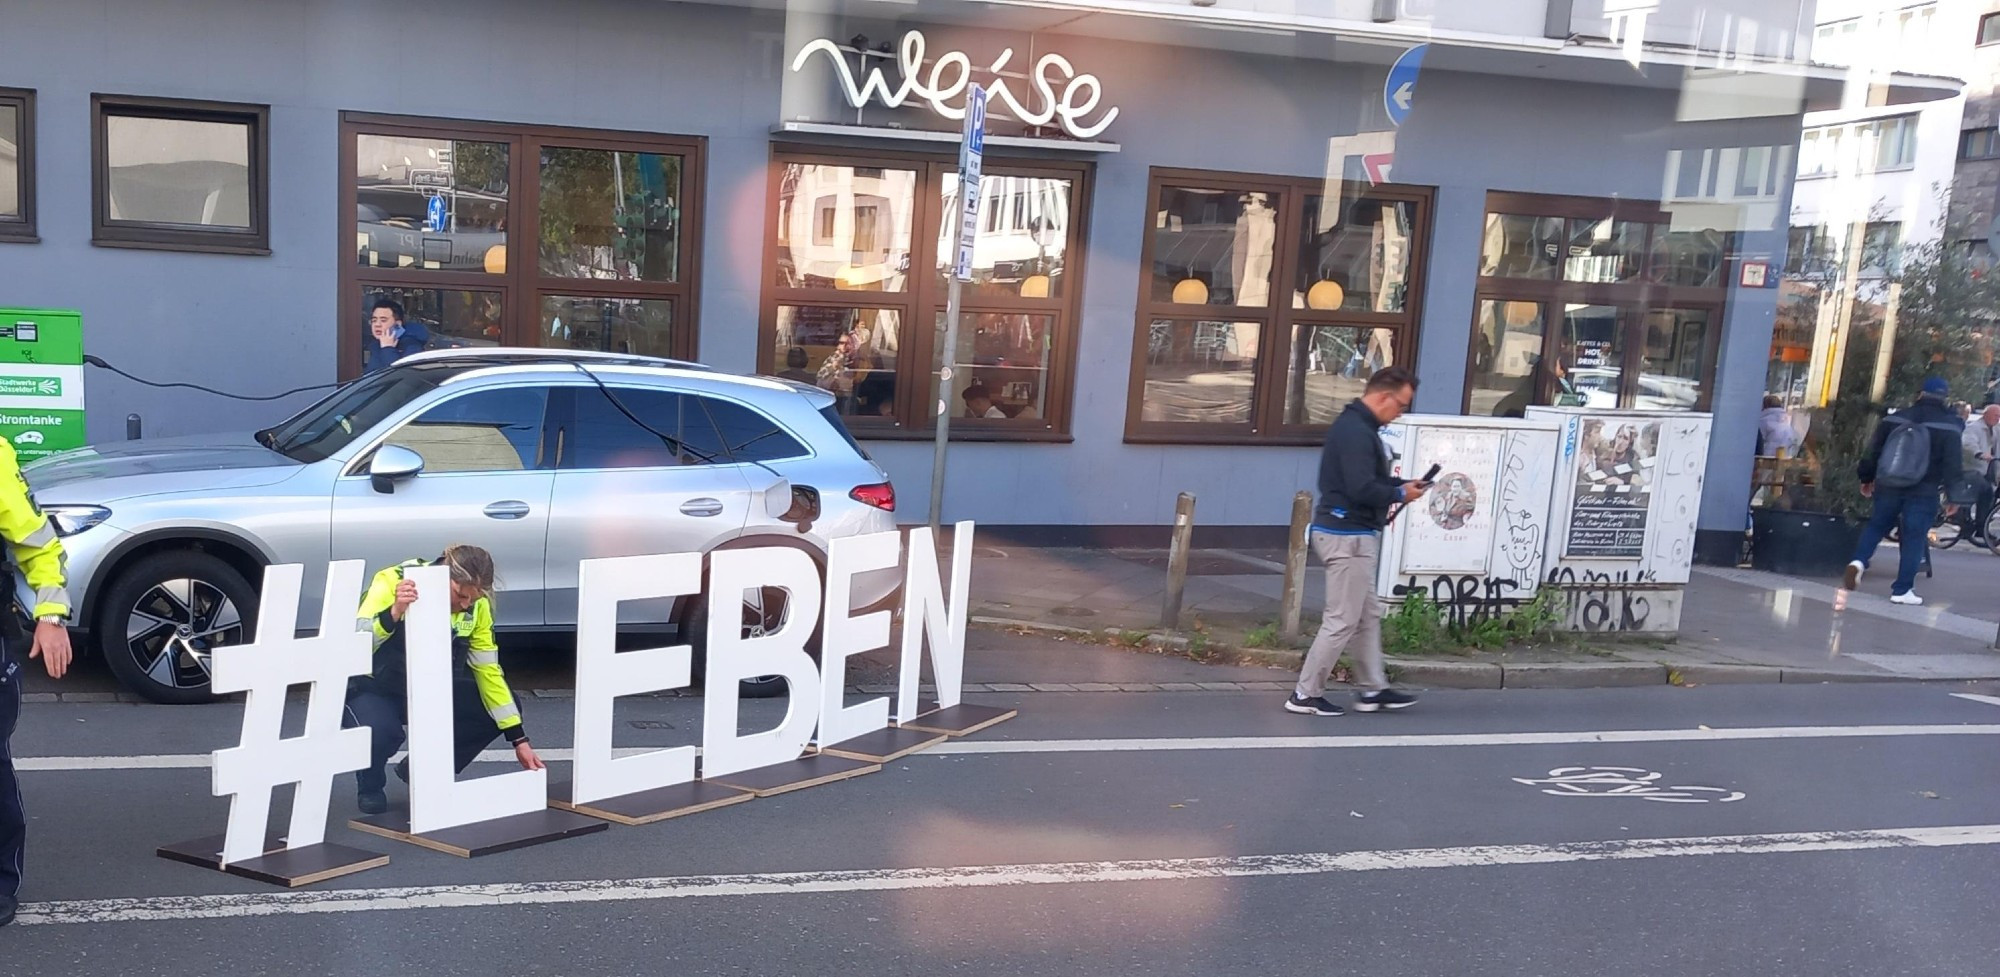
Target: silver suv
544 457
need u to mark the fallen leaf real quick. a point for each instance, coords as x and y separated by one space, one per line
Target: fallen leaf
1705 729
1356 814
1177 805
1933 795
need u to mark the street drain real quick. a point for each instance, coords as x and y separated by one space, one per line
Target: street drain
649 724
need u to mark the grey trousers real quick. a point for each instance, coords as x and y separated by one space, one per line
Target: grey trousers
1353 619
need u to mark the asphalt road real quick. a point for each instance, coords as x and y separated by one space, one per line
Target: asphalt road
1121 833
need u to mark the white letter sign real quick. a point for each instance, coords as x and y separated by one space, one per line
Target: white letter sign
846 636
437 799
603 673
925 614
733 658
265 669
1072 106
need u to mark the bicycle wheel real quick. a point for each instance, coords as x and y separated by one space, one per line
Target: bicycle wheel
1948 530
1993 530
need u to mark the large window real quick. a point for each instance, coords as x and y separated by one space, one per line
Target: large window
1266 302
17 165
490 235
1989 29
1859 147
1594 303
858 276
180 175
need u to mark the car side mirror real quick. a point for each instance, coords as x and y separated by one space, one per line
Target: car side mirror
778 498
393 463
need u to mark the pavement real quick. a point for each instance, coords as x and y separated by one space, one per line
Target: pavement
1737 625
1785 831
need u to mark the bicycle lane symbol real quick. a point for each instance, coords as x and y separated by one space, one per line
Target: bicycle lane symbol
1630 782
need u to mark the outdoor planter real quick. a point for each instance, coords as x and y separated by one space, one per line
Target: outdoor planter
1813 544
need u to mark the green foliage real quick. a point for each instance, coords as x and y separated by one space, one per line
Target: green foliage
1263 636
1419 625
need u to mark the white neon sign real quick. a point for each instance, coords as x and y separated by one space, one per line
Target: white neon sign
1070 108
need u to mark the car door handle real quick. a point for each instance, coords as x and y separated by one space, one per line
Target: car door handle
507 510
701 507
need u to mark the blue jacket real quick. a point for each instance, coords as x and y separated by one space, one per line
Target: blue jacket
1355 487
415 339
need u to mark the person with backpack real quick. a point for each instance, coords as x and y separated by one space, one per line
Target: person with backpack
1912 455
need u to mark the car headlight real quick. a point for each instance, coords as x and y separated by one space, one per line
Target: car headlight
73 519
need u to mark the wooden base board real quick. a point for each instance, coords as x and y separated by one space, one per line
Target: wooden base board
884 745
659 804
485 837
810 770
961 720
278 865
312 864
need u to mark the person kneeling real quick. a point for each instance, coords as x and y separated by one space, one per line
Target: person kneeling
482 706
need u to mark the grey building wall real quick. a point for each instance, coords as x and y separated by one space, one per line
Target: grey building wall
1969 216
255 324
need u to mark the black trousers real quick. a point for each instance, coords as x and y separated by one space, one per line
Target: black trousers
386 713
13 816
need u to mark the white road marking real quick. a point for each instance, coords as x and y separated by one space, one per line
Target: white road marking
1625 782
980 876
1991 700
195 761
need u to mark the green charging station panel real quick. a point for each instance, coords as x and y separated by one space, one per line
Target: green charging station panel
41 381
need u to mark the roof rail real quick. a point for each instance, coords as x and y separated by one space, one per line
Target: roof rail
521 354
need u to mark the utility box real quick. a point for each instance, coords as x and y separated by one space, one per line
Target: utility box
41 381
1627 496
1477 543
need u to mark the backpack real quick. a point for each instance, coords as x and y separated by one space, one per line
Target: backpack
1906 452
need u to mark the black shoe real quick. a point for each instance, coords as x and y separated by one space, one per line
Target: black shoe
1383 699
1315 706
402 769
6 912
372 801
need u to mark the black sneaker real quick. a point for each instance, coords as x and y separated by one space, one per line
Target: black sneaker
1315 706
402 769
1383 699
372 802
6 912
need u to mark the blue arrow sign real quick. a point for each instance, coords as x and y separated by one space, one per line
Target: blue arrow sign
1401 87
434 214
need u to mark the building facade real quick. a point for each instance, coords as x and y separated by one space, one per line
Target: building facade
1200 226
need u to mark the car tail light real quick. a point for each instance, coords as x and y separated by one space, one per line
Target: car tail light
881 496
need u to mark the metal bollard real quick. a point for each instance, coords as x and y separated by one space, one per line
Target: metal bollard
1292 605
1177 560
132 427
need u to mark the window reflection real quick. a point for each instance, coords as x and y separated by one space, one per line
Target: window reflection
1354 254
845 227
1522 247
1001 371
1507 368
640 327
850 352
434 204
1329 366
1590 357
1023 231
1605 250
1214 247
10 161
431 318
610 215
1676 359
177 171
1199 371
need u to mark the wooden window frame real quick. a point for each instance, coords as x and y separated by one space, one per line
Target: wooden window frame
108 233
1632 299
1277 319
924 302
21 229
522 287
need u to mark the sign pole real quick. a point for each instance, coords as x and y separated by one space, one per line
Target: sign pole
971 149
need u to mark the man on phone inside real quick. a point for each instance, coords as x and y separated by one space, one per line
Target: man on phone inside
1356 492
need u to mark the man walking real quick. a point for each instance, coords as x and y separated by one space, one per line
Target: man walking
1982 445
39 555
1355 493
1913 454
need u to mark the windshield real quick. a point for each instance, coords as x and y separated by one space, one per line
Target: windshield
319 431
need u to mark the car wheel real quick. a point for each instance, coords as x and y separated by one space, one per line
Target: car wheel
764 611
160 619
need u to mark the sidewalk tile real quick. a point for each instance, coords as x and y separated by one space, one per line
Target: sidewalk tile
1179 687
1052 687
1220 686
1096 687
1008 687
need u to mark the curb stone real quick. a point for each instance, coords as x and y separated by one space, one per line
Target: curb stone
1581 675
1446 675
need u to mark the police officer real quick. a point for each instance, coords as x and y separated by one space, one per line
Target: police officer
482 705
39 553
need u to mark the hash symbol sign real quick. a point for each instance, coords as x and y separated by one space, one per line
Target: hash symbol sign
1624 782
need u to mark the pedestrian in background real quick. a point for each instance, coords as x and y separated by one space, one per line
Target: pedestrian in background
1981 442
1913 454
38 552
1355 493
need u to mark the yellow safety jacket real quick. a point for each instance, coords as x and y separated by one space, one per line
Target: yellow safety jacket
472 636
37 548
